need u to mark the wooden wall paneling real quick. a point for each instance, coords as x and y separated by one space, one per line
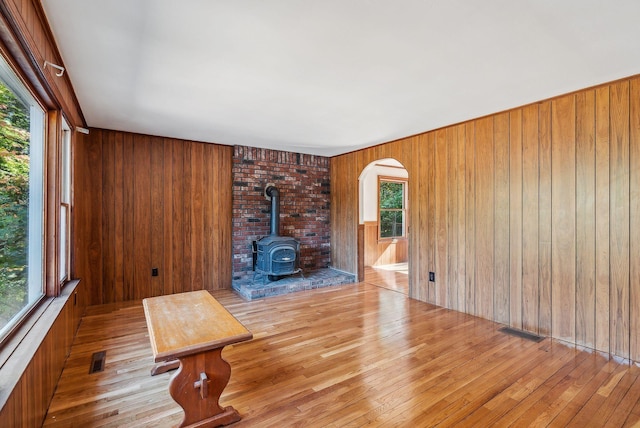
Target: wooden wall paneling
156 216
168 245
585 219
563 215
211 216
129 169
440 214
619 209
485 234
419 213
177 234
197 221
414 219
634 213
223 216
501 219
470 220
119 218
108 216
344 195
188 249
570 168
141 218
602 314
87 229
544 231
530 214
452 217
227 155
219 198
460 221
515 219
431 213
370 242
27 404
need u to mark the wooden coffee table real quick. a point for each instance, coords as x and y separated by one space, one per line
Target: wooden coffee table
193 328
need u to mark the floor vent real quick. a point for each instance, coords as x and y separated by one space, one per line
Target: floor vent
523 334
97 362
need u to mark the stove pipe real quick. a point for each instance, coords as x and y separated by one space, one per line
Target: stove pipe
274 194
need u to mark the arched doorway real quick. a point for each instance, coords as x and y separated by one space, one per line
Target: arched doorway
383 214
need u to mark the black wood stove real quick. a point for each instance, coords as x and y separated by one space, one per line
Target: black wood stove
276 256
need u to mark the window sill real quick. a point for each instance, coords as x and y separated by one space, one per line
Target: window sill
18 351
391 240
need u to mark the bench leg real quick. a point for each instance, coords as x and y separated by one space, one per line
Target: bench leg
197 386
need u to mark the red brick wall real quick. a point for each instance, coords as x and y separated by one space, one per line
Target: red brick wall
303 182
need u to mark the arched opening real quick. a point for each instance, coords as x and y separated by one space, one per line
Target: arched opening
384 216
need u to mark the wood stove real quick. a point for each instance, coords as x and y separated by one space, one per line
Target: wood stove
276 256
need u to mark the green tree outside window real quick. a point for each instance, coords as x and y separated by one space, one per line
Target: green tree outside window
14 201
392 209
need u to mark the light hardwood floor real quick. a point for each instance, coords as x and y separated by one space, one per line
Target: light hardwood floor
392 277
353 355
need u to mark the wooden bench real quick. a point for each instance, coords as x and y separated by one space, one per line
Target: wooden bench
193 328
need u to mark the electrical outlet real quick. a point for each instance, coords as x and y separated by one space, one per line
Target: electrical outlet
432 277
154 272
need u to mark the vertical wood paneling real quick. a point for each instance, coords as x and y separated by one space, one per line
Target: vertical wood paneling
168 244
129 169
431 214
197 220
602 314
177 218
544 219
485 234
157 215
441 242
142 218
619 212
470 221
452 218
563 170
530 214
420 228
119 239
87 245
461 218
108 217
188 250
515 218
501 219
26 405
537 211
149 203
634 213
585 219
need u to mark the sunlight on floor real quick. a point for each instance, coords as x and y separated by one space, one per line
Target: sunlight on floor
396 267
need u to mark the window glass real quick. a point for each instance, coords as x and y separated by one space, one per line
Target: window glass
392 209
21 199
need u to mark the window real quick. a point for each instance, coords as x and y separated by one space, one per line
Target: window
65 202
392 208
21 200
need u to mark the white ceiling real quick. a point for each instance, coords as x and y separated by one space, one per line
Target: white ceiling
331 76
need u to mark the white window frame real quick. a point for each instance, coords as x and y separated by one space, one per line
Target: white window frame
404 183
36 210
64 230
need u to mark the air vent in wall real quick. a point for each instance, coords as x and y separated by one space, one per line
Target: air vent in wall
523 334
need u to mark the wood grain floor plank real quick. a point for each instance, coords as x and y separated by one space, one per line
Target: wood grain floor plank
350 356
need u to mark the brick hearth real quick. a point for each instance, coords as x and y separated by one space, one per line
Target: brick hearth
303 182
256 289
